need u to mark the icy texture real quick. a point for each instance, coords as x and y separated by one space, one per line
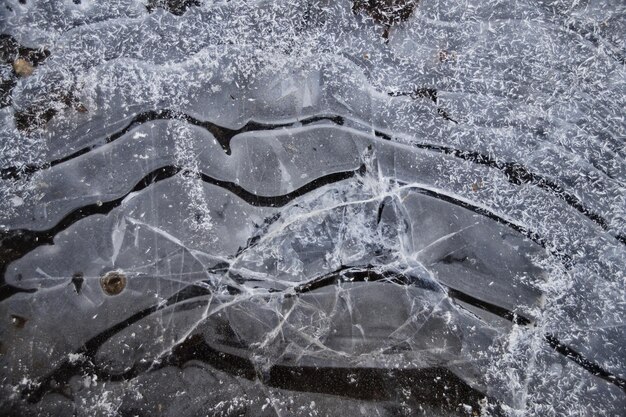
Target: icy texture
277 208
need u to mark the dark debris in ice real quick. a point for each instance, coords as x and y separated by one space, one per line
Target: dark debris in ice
176 7
260 208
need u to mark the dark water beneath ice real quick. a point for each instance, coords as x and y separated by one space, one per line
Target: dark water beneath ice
261 208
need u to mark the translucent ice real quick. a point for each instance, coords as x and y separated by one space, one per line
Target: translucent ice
312 208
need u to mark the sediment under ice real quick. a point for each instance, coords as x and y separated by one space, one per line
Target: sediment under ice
260 208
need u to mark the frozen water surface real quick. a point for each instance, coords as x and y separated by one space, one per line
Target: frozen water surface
312 208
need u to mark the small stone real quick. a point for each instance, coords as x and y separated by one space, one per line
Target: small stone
22 67
113 282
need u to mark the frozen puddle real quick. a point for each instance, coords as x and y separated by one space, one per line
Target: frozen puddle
314 208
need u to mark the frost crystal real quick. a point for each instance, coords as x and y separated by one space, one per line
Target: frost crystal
312 208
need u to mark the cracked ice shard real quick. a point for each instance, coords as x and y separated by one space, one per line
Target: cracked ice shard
312 208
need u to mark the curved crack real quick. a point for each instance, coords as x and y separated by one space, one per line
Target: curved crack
534 236
583 362
16 243
515 173
221 134
299 378
370 274
518 174
370 382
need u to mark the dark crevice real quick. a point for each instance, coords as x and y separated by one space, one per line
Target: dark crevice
444 389
370 274
66 370
447 391
223 135
387 13
298 378
281 200
348 274
381 209
428 93
261 229
511 316
517 174
451 259
585 363
8 290
176 7
535 237
446 115
16 243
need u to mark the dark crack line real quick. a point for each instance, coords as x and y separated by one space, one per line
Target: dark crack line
565 259
16 243
281 200
64 372
372 274
518 174
502 312
280 376
223 136
427 93
356 274
515 173
347 274
535 237
371 383
583 362
8 290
